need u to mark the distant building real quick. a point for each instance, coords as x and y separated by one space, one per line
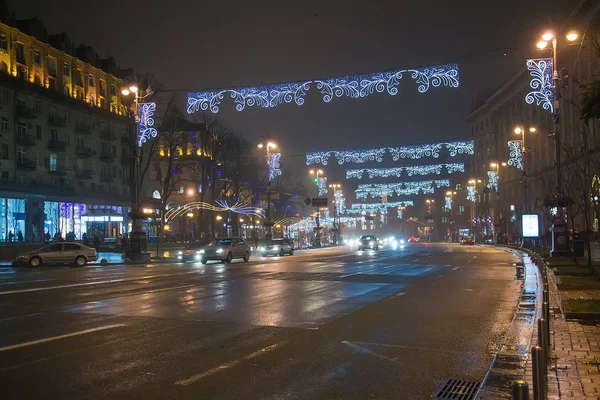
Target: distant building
65 138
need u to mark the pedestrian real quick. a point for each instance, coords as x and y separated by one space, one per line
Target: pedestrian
47 236
85 240
57 236
20 236
10 236
97 243
124 244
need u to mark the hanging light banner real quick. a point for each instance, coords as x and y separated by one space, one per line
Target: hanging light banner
358 208
322 185
413 152
436 169
515 153
274 165
471 193
400 188
448 202
492 180
541 71
146 129
354 86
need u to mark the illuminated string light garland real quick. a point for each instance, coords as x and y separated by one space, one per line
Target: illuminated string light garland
541 82
492 180
274 165
515 153
471 194
355 86
358 208
399 188
146 129
322 186
448 202
237 208
340 201
413 152
410 171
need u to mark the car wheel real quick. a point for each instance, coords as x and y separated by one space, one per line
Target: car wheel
281 253
229 258
263 255
291 252
247 256
360 249
204 261
35 262
80 261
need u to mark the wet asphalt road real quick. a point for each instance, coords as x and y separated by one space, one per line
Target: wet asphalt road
326 324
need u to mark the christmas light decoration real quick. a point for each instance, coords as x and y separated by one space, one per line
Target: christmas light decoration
515 153
340 201
471 194
222 205
399 188
354 86
492 180
448 202
410 171
413 152
322 186
541 82
358 208
146 129
274 165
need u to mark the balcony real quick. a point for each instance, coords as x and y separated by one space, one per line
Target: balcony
56 145
26 140
26 112
57 121
58 170
106 156
83 128
107 178
25 163
107 134
84 173
84 152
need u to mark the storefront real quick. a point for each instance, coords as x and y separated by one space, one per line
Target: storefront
12 219
75 220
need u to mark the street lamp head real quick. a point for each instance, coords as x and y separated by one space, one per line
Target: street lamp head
472 181
518 130
493 165
320 172
241 219
542 44
125 92
532 129
478 180
133 89
448 193
547 36
271 145
190 192
219 218
504 164
312 171
572 36
260 145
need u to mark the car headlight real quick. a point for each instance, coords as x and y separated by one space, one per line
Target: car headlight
179 257
371 243
200 252
401 241
219 251
275 247
262 248
180 252
198 256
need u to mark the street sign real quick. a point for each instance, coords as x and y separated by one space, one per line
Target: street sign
369 218
307 201
319 202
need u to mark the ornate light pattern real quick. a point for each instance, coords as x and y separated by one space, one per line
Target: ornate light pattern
340 201
359 208
492 180
541 83
237 208
410 171
274 165
471 194
400 188
515 154
146 129
355 86
322 185
448 202
413 152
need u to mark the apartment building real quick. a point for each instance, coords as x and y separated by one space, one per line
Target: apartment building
65 138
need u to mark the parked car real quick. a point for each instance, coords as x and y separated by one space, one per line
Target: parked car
226 250
192 252
277 247
368 242
58 253
468 241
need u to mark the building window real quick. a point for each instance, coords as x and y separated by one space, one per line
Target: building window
21 129
66 90
91 80
38 132
102 88
21 154
3 42
21 53
67 162
4 124
80 142
461 209
52 163
114 149
37 57
36 155
444 220
4 151
79 78
21 102
458 186
52 66
4 97
66 69
52 112
4 176
52 83
38 106
68 138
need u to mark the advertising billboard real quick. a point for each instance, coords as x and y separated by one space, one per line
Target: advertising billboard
531 225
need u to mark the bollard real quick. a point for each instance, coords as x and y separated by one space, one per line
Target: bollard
546 315
543 341
520 390
539 384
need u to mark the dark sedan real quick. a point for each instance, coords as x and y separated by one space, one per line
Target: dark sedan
368 242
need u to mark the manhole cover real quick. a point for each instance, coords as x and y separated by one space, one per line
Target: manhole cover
456 389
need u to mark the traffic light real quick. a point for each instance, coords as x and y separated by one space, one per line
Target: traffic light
316 180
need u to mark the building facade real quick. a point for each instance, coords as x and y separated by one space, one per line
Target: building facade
65 139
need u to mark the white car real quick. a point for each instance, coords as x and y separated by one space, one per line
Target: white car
225 250
277 247
59 253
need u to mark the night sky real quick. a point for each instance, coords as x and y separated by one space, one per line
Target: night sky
195 44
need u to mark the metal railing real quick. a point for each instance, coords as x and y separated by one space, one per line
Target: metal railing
541 353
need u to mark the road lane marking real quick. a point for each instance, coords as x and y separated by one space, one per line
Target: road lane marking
50 339
228 365
367 351
455 268
397 346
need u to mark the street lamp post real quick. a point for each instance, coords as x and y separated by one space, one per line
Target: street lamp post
451 194
138 242
497 165
474 182
317 173
520 130
336 226
268 147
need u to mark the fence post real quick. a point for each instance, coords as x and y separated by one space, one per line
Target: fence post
539 384
520 390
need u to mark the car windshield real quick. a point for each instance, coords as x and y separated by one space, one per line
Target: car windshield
367 237
277 242
220 242
196 245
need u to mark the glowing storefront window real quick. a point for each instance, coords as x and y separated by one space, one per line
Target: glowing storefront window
12 219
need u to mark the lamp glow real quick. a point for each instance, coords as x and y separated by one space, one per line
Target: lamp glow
542 44
133 89
125 92
547 36
572 36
